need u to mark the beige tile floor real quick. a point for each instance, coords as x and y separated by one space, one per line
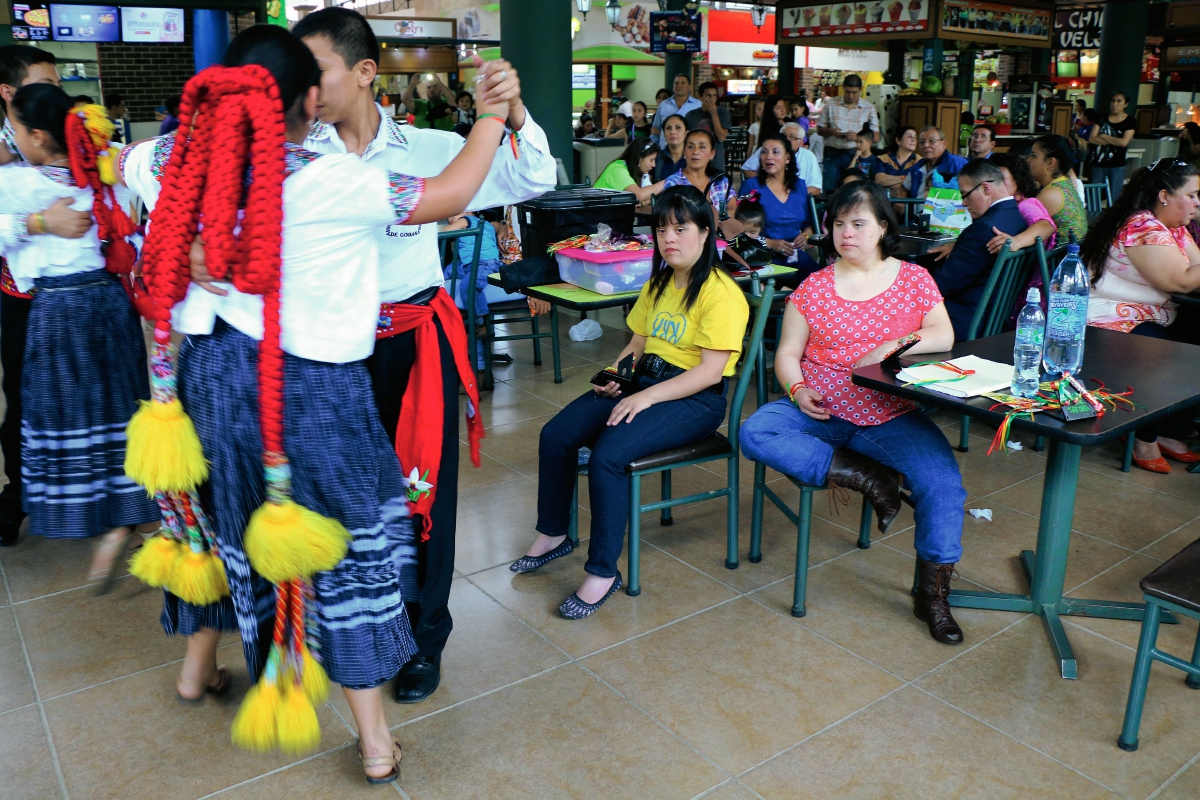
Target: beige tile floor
704 686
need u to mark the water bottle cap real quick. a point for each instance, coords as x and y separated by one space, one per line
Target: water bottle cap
1072 249
1034 295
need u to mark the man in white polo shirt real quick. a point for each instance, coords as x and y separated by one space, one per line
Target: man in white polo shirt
839 124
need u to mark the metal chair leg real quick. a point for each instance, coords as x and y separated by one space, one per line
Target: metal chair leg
1192 681
555 353
731 510
489 380
1141 677
665 517
1127 459
573 529
864 527
964 434
634 586
756 512
1039 444
537 344
803 529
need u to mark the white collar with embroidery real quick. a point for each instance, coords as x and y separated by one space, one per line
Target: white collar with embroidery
389 133
10 140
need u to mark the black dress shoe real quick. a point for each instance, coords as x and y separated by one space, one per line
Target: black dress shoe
418 679
575 608
530 563
10 526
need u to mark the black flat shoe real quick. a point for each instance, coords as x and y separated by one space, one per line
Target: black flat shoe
418 679
10 527
574 608
530 563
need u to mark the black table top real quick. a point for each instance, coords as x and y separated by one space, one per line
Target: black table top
1186 299
1164 375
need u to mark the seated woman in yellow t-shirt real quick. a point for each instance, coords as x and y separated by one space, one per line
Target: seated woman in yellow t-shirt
626 173
687 325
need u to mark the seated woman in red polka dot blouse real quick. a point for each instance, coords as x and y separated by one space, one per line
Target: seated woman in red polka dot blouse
849 315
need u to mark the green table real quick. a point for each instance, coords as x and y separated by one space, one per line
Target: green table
1165 377
577 299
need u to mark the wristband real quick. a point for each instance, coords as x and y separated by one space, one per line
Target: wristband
482 117
792 389
39 221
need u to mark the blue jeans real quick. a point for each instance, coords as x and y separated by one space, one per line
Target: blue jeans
785 438
583 423
1115 177
834 166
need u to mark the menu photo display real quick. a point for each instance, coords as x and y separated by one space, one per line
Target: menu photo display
151 24
84 23
31 22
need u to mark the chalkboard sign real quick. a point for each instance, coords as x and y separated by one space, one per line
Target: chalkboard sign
1077 29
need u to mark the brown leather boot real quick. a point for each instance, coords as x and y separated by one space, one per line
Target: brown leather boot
932 603
879 484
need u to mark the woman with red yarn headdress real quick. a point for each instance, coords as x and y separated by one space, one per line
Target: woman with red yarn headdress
85 357
272 375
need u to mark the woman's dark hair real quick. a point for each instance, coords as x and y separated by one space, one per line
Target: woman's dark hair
1022 148
43 107
288 59
791 173
680 205
1139 194
1019 169
1193 132
1081 102
1058 148
871 196
172 105
903 129
1113 96
710 169
768 125
634 152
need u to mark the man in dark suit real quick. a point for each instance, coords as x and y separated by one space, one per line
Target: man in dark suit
962 277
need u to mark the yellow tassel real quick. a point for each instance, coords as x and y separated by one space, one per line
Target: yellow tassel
286 540
162 451
154 563
106 165
316 682
199 579
255 727
296 723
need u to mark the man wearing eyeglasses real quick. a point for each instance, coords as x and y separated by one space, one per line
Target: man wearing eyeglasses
931 144
982 141
961 278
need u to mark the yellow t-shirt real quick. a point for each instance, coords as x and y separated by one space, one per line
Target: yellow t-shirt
716 321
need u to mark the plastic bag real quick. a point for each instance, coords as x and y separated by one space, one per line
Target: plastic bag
585 331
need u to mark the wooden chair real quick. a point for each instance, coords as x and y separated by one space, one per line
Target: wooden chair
713 447
1009 276
1173 587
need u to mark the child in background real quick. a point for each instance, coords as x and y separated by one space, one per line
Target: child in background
851 176
749 244
864 160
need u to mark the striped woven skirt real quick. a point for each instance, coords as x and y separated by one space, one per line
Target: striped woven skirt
342 467
85 370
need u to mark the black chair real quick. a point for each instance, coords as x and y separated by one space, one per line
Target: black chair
1096 198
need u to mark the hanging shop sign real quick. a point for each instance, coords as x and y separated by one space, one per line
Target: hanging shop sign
413 28
675 32
801 22
1182 59
996 23
1078 29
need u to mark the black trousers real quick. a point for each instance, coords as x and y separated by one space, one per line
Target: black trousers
14 318
390 367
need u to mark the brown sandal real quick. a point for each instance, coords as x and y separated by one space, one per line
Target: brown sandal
380 761
209 688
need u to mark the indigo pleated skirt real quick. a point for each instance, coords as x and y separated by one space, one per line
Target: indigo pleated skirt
85 370
342 467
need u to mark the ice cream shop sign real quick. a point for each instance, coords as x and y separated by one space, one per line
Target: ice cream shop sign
875 19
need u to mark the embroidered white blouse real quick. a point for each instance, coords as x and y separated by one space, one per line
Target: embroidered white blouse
28 190
330 274
411 261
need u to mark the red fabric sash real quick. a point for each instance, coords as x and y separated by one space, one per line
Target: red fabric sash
8 285
418 440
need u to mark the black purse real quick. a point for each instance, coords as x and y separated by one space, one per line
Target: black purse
752 252
532 271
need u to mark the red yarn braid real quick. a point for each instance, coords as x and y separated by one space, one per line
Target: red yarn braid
113 223
231 120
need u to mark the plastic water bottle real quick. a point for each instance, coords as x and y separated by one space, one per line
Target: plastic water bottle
1066 320
1027 352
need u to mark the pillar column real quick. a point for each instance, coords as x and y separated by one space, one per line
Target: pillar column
965 84
1122 40
787 70
897 48
931 63
675 63
603 94
535 35
210 36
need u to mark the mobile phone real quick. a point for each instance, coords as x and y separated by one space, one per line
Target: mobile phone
892 359
622 376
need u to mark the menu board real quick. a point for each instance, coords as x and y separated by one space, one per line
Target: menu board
996 23
31 22
675 32
151 24
84 23
878 19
